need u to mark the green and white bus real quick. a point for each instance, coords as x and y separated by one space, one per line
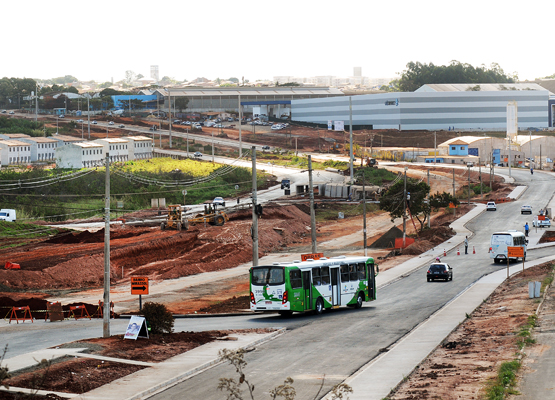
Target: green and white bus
313 285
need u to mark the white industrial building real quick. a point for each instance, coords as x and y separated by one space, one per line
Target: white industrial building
14 152
117 148
478 107
140 147
43 149
80 155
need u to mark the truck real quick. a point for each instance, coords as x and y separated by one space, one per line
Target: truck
177 219
7 214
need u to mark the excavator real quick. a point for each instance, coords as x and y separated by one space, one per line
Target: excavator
176 218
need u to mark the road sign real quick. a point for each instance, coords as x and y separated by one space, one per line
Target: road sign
139 285
515 251
541 217
313 256
184 192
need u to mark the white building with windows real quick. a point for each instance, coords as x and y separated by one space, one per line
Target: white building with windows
64 139
117 148
80 155
13 152
140 147
43 149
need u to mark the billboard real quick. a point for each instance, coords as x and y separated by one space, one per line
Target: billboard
339 125
330 125
512 119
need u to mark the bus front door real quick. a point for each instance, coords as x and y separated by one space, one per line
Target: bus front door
371 281
335 287
307 288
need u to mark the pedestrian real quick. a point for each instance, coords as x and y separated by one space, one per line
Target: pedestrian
532 171
526 229
466 245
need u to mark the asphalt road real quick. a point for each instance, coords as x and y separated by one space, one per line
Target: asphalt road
337 343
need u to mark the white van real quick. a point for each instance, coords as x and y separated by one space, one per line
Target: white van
7 214
501 240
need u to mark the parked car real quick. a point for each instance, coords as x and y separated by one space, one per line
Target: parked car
11 113
94 123
4 111
545 223
197 154
491 206
526 210
230 119
439 271
218 126
111 123
153 128
219 201
79 121
121 126
59 116
265 147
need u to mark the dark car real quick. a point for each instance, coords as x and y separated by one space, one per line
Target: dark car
440 271
265 147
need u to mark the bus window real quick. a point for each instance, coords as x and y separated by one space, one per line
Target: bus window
276 276
295 279
325 273
316 276
361 271
259 276
344 273
353 274
268 276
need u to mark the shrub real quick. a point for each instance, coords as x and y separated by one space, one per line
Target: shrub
158 317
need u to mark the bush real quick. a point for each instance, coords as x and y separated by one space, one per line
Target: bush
158 317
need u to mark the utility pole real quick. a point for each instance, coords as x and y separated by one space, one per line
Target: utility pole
212 146
89 116
254 232
468 165
312 213
240 128
429 216
530 157
435 148
106 308
455 212
351 162
480 173
170 116
364 213
510 157
405 210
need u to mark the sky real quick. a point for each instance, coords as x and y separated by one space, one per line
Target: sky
100 40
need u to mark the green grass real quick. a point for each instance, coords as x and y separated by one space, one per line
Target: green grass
330 211
505 382
22 230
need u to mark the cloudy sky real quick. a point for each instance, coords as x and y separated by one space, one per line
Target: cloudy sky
100 40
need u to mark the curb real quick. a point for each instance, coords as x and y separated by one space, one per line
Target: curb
183 376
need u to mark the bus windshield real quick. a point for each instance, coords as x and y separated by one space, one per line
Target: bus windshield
502 239
268 276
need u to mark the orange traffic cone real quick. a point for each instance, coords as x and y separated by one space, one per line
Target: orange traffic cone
458 252
473 250
444 253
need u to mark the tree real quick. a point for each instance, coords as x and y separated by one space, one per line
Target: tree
140 76
109 92
64 80
444 199
418 74
129 76
393 200
181 103
234 80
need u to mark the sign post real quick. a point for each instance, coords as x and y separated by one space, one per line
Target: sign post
139 285
514 251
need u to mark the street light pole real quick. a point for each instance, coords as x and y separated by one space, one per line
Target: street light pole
89 115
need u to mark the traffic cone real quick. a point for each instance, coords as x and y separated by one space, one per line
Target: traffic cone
458 252
473 250
444 253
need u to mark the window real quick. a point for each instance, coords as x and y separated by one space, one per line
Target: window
353 274
361 271
325 274
295 279
453 148
462 148
344 273
316 276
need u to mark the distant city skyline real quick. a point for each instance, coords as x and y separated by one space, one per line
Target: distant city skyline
257 41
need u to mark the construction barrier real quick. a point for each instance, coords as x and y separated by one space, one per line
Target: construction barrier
26 314
399 242
83 313
11 265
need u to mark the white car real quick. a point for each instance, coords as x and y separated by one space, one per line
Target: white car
219 201
545 223
491 206
526 210
111 123
94 122
79 121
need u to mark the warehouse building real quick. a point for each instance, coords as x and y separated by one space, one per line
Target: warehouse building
478 107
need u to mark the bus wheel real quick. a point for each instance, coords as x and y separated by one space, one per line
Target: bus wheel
286 314
360 299
319 306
